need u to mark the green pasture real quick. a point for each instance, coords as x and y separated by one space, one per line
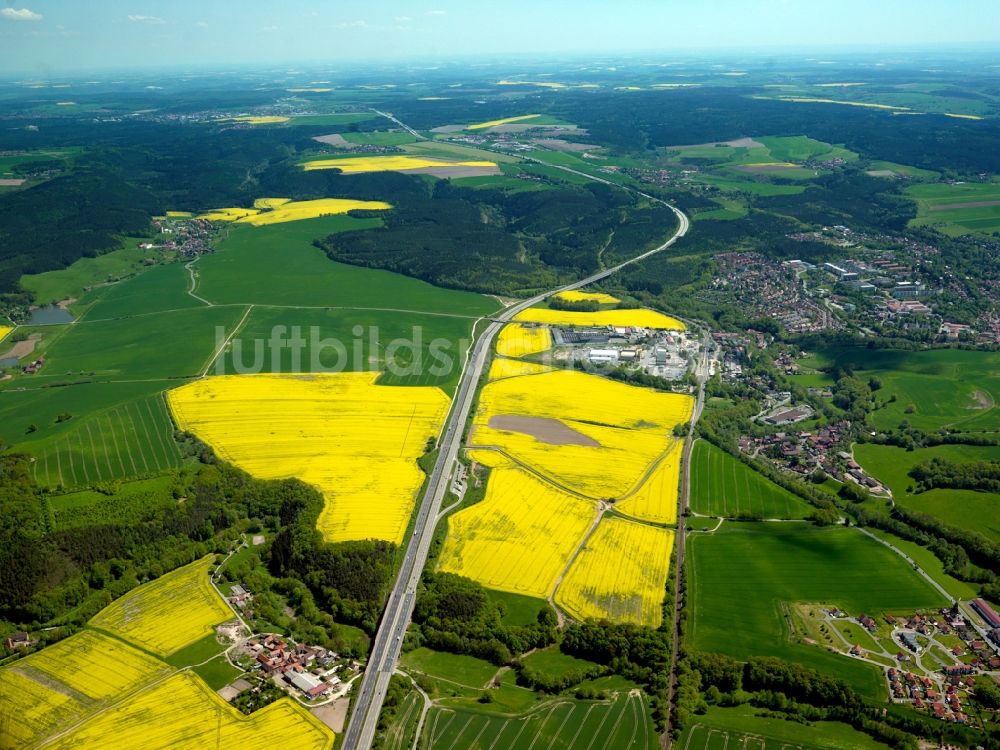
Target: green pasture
939 205
519 610
934 388
930 564
799 148
130 439
741 727
410 348
723 486
158 289
740 577
751 185
279 265
967 509
130 502
616 724
399 734
70 282
155 346
903 170
729 209
554 662
379 138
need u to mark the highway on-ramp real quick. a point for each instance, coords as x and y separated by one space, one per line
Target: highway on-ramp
389 640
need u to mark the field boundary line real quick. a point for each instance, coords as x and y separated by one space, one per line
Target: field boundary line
222 347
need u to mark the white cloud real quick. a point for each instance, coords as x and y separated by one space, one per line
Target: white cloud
146 19
402 19
359 24
270 28
436 13
13 14
202 24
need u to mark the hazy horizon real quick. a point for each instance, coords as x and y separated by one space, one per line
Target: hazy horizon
59 37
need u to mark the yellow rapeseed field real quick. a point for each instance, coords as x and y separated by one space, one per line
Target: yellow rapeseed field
356 441
148 616
575 295
515 340
270 202
359 164
620 574
631 427
504 121
280 210
4 330
182 713
520 537
56 686
257 119
656 499
96 665
641 317
501 367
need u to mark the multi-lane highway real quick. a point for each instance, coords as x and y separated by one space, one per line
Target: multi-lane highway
389 639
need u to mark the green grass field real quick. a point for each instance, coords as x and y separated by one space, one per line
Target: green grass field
159 289
740 576
739 727
132 438
464 671
729 209
968 509
379 138
933 388
903 170
278 265
159 345
723 486
399 735
53 286
931 565
615 724
520 610
554 662
940 205
733 184
128 504
424 349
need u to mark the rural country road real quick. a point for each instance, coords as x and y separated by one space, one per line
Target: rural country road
389 640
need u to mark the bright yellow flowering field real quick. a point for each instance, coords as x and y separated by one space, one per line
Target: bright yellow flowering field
96 665
515 340
504 121
631 426
575 295
356 441
641 317
656 499
359 164
182 713
4 330
620 574
501 367
148 615
59 684
519 537
40 711
257 119
281 210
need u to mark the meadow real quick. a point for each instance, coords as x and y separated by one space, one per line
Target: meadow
616 724
278 265
620 574
148 616
182 712
355 441
934 388
967 509
723 486
520 537
957 209
158 289
784 563
721 728
131 438
131 502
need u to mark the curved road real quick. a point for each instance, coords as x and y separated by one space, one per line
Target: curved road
389 639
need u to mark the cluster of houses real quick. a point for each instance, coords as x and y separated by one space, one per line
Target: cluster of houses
187 236
33 367
921 691
309 669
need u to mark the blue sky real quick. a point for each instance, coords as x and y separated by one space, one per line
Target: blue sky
59 36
